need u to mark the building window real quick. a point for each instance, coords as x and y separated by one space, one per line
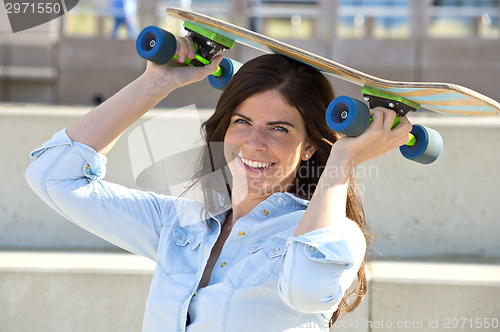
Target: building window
378 19
464 19
295 27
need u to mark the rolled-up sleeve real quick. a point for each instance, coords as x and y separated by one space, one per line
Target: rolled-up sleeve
66 175
320 266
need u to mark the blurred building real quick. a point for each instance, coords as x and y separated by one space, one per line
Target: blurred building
89 53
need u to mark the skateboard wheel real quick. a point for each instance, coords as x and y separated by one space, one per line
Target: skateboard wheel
348 116
427 148
156 45
229 68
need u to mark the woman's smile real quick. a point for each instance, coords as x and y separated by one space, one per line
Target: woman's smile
256 165
265 143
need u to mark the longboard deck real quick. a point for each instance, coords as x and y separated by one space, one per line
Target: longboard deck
444 98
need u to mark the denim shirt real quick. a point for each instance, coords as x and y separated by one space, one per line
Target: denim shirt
265 279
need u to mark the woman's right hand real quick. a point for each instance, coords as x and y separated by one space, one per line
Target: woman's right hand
101 127
176 74
377 140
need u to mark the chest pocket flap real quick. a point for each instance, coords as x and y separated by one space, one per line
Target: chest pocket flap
255 269
182 236
180 254
274 246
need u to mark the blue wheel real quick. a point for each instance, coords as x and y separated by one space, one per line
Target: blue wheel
156 45
427 148
348 116
229 68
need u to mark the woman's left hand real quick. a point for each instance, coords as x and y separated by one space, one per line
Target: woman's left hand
376 141
176 74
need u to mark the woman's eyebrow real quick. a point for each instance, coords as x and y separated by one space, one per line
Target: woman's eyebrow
272 123
242 116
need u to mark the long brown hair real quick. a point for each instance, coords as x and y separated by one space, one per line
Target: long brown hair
310 92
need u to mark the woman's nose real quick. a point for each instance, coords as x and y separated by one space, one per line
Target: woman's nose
256 139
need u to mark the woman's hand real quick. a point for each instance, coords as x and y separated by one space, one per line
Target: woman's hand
101 127
328 204
176 74
376 141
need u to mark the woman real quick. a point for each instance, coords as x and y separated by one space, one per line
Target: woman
274 261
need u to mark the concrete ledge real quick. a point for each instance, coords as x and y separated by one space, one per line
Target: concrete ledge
72 291
64 291
66 262
443 273
423 296
47 74
73 111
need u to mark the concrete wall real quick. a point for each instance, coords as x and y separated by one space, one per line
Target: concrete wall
72 292
28 62
448 208
107 292
422 296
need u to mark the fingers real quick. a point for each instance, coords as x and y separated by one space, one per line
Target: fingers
402 131
383 118
185 48
383 121
377 140
214 64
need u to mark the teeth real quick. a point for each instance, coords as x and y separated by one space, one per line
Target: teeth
255 164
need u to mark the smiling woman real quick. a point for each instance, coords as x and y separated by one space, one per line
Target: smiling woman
262 115
271 119
269 137
292 240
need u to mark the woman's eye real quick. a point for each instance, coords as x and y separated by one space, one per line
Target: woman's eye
240 121
281 128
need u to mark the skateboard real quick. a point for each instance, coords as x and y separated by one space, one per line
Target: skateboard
345 115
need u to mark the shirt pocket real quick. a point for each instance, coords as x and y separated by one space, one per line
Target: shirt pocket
264 257
180 254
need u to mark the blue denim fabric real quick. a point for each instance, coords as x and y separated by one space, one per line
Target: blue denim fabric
265 278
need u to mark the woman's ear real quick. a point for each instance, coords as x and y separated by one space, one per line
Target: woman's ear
309 149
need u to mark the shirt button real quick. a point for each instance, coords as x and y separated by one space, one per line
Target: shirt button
312 249
183 239
223 264
266 212
241 234
205 251
87 167
277 249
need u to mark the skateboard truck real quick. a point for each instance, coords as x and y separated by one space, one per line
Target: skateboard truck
352 117
378 98
208 43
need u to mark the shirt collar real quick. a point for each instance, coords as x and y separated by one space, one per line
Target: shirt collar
283 200
288 200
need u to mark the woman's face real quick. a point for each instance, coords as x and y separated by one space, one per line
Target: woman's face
264 144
